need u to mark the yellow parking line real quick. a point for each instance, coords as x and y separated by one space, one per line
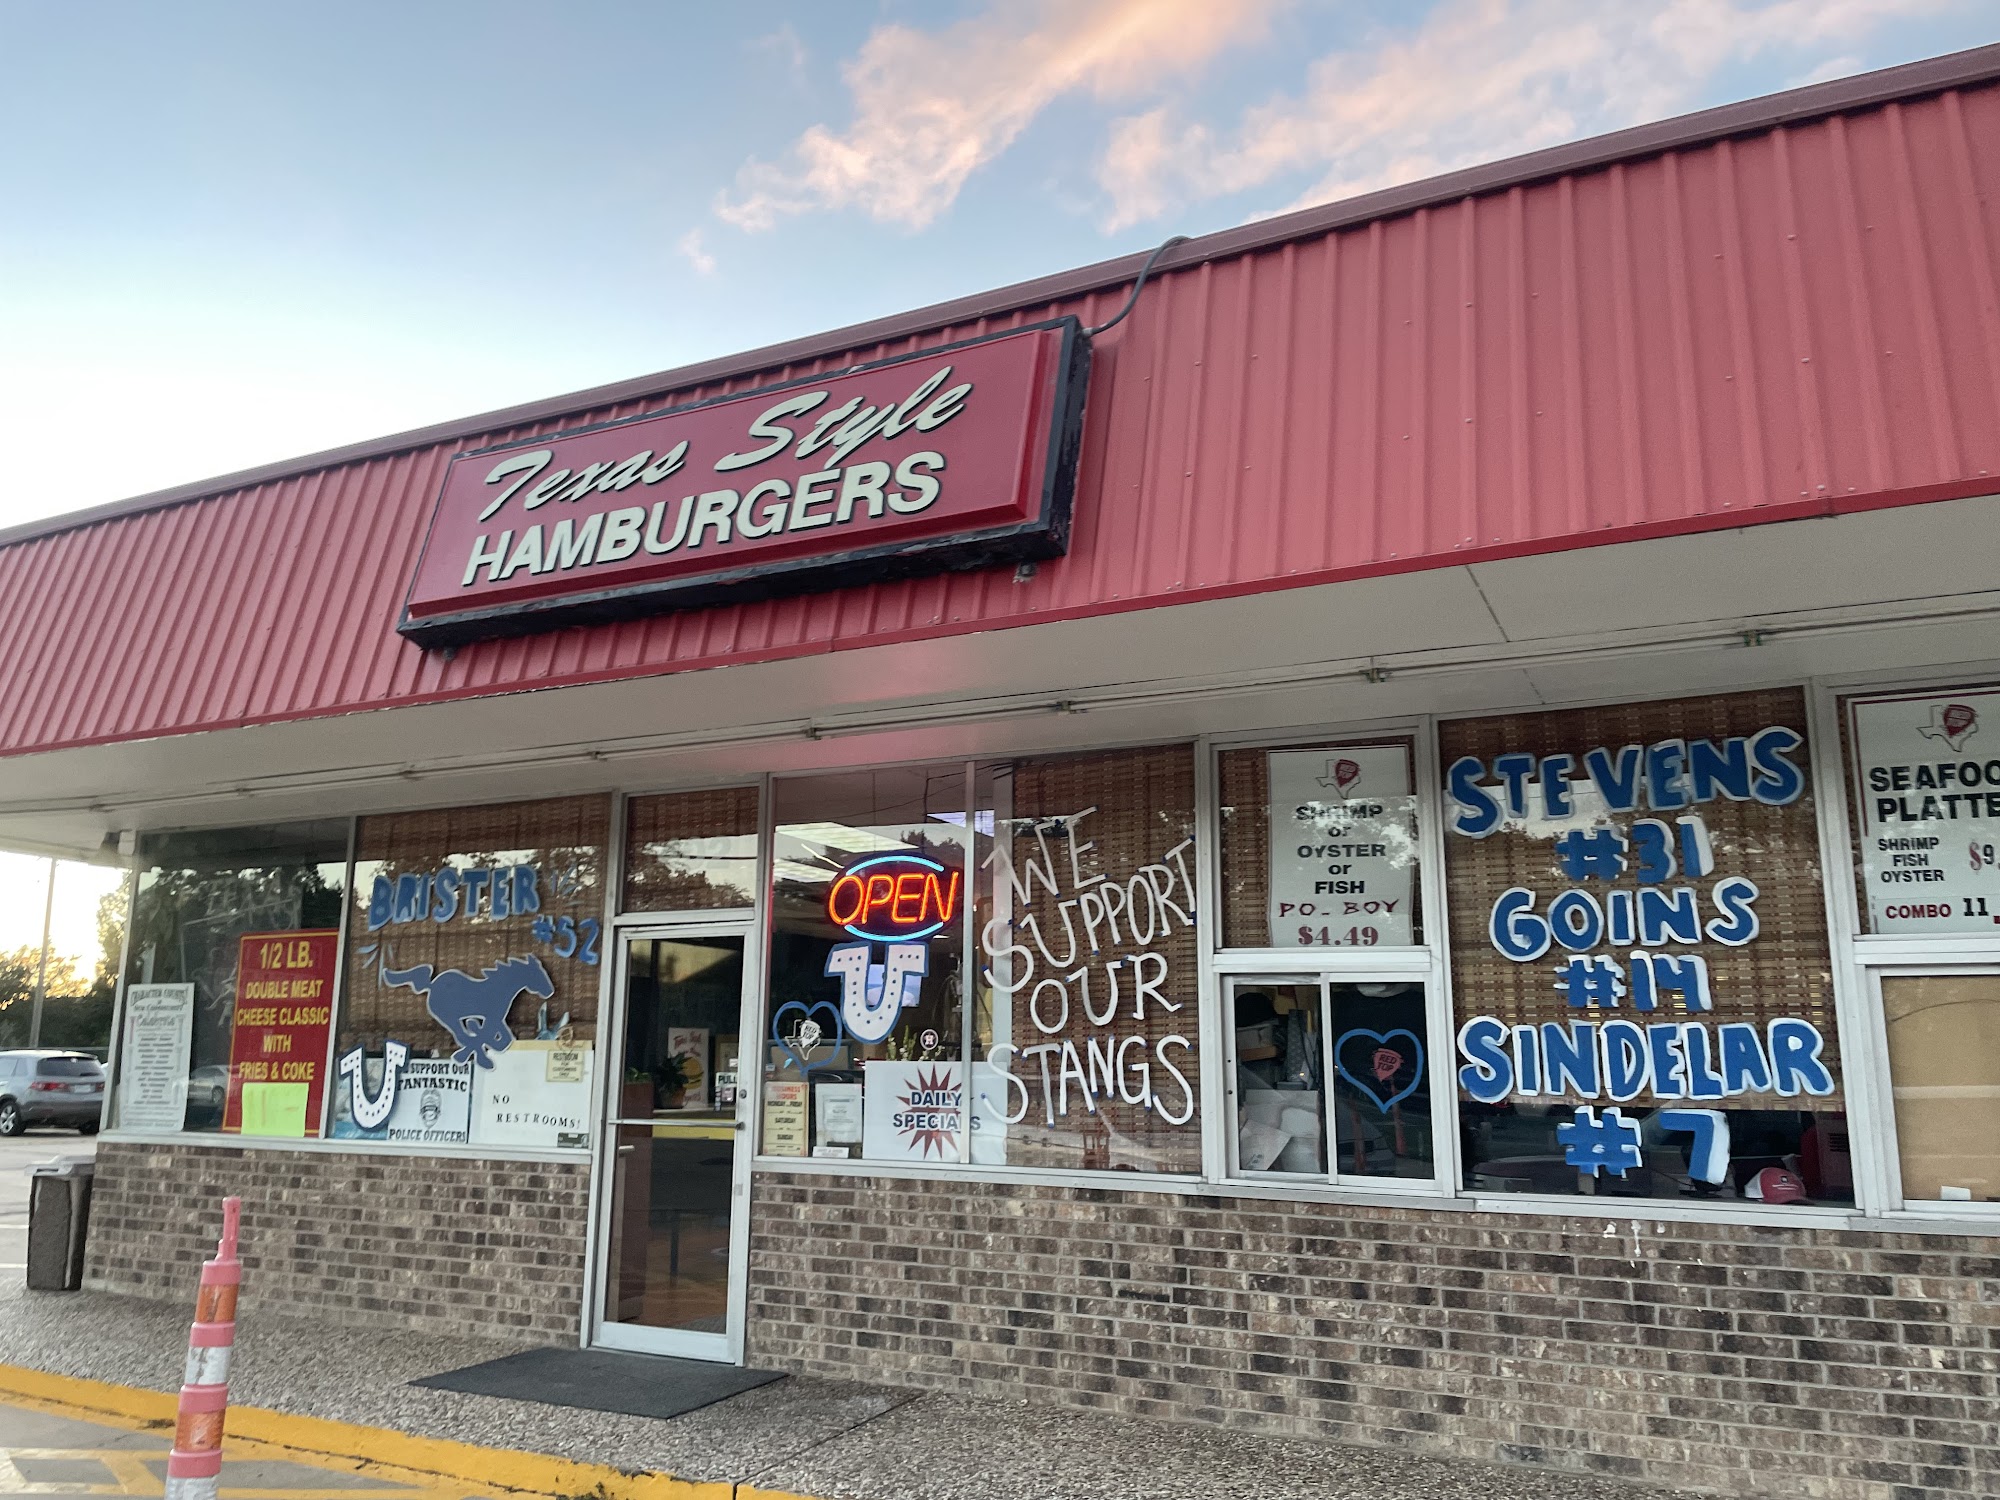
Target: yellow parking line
397 1456
130 1475
128 1467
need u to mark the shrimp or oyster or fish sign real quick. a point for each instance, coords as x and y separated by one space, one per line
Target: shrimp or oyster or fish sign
962 456
1343 847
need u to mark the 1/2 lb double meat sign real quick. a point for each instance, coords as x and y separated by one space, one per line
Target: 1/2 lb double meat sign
959 457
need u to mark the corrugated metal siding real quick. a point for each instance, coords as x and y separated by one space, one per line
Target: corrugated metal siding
1805 319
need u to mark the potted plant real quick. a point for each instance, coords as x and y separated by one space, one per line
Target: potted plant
637 1097
676 1073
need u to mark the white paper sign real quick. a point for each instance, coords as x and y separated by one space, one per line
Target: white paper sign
838 1110
1927 792
515 1102
1343 847
912 1112
153 1062
432 1104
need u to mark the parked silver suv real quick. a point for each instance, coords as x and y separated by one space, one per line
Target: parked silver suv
50 1088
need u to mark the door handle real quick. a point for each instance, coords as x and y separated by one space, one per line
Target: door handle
627 1150
740 1125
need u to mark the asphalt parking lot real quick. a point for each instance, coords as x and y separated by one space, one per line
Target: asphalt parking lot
49 1453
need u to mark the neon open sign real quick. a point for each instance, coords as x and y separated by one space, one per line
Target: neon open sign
892 898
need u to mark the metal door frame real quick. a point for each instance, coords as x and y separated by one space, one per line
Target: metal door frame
600 1331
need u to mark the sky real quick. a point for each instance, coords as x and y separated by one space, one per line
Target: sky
73 946
232 233
237 232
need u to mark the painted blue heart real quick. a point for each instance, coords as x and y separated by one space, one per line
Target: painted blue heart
834 1035
1362 1075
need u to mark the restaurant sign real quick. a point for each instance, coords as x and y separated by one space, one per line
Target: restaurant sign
962 456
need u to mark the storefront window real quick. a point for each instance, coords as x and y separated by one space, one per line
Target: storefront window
1293 1035
691 851
229 980
1926 809
475 946
1944 1067
1041 911
1280 1032
1086 926
1319 846
1639 953
866 1000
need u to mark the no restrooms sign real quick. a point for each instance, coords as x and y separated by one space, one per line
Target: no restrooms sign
958 457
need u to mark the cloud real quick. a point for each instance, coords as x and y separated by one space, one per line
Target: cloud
931 108
786 45
1478 80
690 245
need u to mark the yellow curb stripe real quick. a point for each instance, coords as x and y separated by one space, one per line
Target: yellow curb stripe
257 1431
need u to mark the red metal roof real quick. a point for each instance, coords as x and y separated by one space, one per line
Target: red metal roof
1755 323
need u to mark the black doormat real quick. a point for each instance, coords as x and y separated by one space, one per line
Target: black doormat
639 1385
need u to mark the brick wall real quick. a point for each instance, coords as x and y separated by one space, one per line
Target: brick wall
1748 1361
394 1241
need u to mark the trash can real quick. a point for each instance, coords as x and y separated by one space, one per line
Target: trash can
58 1220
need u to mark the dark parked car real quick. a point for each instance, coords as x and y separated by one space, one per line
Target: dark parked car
50 1088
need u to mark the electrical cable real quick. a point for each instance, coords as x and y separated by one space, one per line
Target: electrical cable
1137 287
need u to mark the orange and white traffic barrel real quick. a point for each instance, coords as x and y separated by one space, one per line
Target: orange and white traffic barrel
194 1468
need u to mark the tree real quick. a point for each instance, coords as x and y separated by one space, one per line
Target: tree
66 992
76 1011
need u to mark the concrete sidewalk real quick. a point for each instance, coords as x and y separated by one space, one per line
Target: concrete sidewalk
802 1436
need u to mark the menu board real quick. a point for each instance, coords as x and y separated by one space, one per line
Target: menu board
1927 808
784 1119
153 1062
277 1047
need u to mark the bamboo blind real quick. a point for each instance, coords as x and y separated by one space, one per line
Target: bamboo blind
1856 872
691 851
563 838
1243 787
1785 971
1144 801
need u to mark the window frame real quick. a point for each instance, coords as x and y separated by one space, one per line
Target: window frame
1827 762
1229 979
114 1052
1427 962
323 1143
1890 1140
965 1169
1863 959
621 831
1859 961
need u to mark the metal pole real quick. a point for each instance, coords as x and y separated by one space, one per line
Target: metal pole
42 972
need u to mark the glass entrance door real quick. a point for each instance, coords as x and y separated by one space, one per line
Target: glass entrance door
670 1277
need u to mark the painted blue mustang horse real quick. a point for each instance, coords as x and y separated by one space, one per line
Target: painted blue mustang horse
473 1010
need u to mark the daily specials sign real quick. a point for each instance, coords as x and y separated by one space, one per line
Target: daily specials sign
958 457
1927 808
277 1050
1639 918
